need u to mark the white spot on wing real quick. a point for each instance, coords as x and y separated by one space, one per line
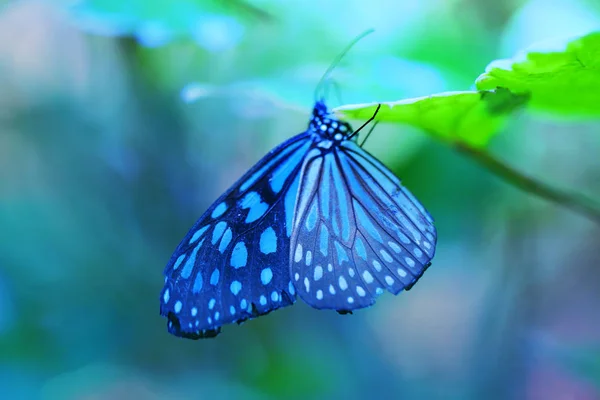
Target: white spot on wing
361 292
235 287
266 275
386 256
308 257
298 254
377 265
318 273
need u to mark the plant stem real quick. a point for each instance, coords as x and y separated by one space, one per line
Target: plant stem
572 200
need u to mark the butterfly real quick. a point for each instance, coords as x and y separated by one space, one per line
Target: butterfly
317 217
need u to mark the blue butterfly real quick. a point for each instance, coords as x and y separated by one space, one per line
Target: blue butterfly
317 217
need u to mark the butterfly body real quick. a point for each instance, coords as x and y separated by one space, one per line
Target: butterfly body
317 217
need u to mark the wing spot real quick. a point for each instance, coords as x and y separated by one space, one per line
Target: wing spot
410 262
209 319
342 283
329 267
359 246
351 272
308 257
194 311
401 272
306 284
350 300
291 288
219 210
211 304
418 252
318 273
186 271
266 275
166 296
243 304
197 283
367 277
378 291
253 201
235 287
365 222
361 292
404 238
324 240
386 256
178 306
311 220
429 236
427 245
298 254
218 232
217 316
231 310
225 240
394 246
319 294
274 296
389 280
239 255
377 265
214 278
198 233
297 276
263 300
341 253
268 241
331 289
178 262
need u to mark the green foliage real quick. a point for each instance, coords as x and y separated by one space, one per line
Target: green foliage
565 81
468 117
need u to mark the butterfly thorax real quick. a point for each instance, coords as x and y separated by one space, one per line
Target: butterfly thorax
326 127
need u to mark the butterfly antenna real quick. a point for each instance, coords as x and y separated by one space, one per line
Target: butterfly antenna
330 83
366 123
337 60
369 133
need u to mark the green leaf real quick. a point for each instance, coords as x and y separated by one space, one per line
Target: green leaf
564 81
468 117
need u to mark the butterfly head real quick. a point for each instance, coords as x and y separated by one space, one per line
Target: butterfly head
327 125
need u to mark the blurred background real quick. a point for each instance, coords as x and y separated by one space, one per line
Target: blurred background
121 121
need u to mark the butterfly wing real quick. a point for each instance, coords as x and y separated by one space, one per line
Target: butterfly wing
357 231
234 263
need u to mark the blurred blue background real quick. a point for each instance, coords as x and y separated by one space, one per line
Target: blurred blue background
121 121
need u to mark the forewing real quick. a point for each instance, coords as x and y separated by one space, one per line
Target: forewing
234 263
358 231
